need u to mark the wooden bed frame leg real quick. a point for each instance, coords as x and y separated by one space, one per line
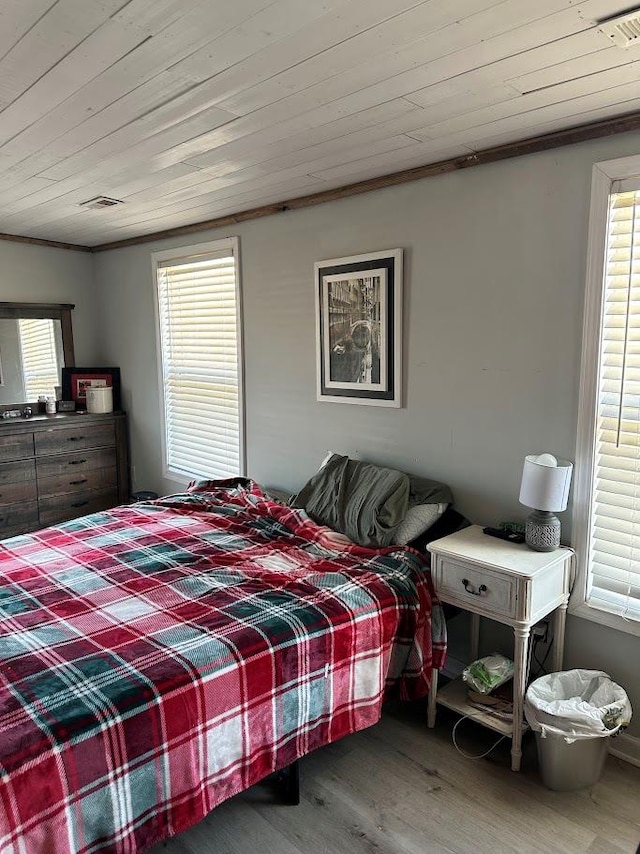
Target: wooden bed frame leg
291 783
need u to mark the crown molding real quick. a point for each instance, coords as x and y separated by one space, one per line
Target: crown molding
36 241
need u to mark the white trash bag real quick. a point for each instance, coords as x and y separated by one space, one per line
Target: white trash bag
576 704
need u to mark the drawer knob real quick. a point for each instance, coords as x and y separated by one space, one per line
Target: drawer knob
469 588
76 462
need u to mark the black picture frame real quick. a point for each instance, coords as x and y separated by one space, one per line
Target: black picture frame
359 307
75 380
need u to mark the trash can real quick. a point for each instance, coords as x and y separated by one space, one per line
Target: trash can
144 495
573 713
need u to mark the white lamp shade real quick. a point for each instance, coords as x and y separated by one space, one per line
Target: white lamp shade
544 486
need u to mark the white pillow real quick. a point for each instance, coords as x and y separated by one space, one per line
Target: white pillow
418 520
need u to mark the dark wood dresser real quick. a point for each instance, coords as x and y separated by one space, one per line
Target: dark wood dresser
58 467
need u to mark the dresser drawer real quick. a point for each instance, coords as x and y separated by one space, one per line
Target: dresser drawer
14 493
75 438
19 530
16 446
17 472
78 463
18 517
62 507
461 583
54 469
71 482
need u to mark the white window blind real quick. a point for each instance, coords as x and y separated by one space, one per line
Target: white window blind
613 582
199 336
40 357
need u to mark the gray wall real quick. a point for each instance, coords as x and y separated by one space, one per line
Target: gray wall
494 281
30 273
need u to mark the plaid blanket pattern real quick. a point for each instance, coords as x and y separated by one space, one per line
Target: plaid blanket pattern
156 659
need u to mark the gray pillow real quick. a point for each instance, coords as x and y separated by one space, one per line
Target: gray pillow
419 519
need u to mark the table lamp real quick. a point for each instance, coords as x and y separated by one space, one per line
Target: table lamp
545 488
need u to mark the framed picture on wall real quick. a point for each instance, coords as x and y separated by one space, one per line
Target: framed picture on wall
359 329
76 381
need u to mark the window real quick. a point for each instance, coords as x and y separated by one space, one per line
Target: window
40 351
200 347
607 496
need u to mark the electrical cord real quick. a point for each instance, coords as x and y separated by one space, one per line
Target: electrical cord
470 755
541 664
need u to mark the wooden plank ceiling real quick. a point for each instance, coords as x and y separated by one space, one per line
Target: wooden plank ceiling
187 110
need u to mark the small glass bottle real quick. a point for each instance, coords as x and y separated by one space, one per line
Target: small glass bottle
51 406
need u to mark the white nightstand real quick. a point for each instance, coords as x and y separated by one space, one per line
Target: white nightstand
508 583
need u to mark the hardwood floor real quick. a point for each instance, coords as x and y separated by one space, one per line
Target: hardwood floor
399 788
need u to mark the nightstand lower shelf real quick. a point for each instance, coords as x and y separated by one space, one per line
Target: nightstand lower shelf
454 696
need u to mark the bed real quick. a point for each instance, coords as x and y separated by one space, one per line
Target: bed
156 659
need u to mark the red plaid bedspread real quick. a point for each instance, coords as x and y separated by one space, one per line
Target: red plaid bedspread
156 659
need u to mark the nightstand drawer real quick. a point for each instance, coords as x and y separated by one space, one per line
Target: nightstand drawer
472 587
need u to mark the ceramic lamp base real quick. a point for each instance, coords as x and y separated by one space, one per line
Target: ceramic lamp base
542 531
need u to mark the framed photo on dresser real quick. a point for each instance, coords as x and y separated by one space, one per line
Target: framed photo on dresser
76 381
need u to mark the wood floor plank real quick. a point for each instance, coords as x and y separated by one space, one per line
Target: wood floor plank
227 830
453 815
603 846
399 788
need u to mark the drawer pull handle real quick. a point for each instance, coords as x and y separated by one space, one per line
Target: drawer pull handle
75 438
78 482
79 503
482 589
76 462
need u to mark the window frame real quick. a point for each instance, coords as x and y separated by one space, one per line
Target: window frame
189 252
603 176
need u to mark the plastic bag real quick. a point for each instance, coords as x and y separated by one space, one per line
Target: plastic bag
487 673
576 704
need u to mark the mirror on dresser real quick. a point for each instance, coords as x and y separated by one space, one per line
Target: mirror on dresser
36 342
57 466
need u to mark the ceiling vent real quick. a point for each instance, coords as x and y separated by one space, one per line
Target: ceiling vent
623 31
99 203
